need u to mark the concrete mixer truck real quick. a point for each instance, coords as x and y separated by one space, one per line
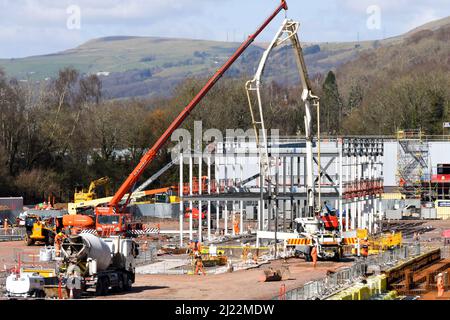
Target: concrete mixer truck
100 264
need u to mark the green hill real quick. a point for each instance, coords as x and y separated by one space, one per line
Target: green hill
149 66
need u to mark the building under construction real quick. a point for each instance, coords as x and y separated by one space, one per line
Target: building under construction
318 203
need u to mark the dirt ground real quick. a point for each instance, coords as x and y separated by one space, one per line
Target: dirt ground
434 296
238 285
438 227
9 252
241 285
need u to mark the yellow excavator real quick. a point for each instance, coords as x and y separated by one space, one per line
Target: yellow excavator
81 195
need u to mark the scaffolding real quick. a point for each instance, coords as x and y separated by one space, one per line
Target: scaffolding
412 162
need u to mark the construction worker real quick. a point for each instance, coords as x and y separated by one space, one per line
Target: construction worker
197 248
440 284
199 265
236 227
58 241
314 256
364 247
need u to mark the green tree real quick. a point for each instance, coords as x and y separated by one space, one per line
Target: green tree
331 105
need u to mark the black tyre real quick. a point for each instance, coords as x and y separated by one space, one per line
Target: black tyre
100 287
28 240
106 285
120 284
127 282
337 256
308 257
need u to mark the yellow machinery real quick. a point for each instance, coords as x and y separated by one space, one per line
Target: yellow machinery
77 207
41 231
210 259
385 242
81 195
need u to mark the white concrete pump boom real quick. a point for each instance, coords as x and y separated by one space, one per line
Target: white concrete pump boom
310 100
288 31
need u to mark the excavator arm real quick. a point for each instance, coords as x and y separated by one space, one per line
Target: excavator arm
97 183
113 205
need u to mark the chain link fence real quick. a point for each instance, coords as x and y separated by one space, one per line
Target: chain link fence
347 276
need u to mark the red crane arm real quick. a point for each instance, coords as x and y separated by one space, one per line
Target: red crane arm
151 154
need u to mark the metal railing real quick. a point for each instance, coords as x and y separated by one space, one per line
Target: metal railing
12 234
445 252
332 283
345 277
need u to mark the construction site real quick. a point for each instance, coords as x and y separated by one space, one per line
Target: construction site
254 217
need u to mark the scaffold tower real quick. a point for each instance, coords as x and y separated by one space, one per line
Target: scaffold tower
412 162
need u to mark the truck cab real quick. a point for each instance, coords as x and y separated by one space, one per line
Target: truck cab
116 224
313 232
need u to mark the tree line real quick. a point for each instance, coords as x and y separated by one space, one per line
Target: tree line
60 133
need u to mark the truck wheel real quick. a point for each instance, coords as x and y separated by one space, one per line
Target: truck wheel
100 287
127 282
308 257
105 286
337 256
120 284
28 240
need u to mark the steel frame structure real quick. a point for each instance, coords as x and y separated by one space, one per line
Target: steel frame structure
351 181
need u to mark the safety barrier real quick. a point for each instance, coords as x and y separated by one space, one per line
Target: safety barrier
147 254
12 234
375 286
3 275
346 277
445 252
327 286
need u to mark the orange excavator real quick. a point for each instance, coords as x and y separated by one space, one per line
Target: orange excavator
117 212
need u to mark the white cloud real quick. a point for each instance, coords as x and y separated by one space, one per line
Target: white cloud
39 26
425 16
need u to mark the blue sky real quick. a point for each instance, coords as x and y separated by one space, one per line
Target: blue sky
32 27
